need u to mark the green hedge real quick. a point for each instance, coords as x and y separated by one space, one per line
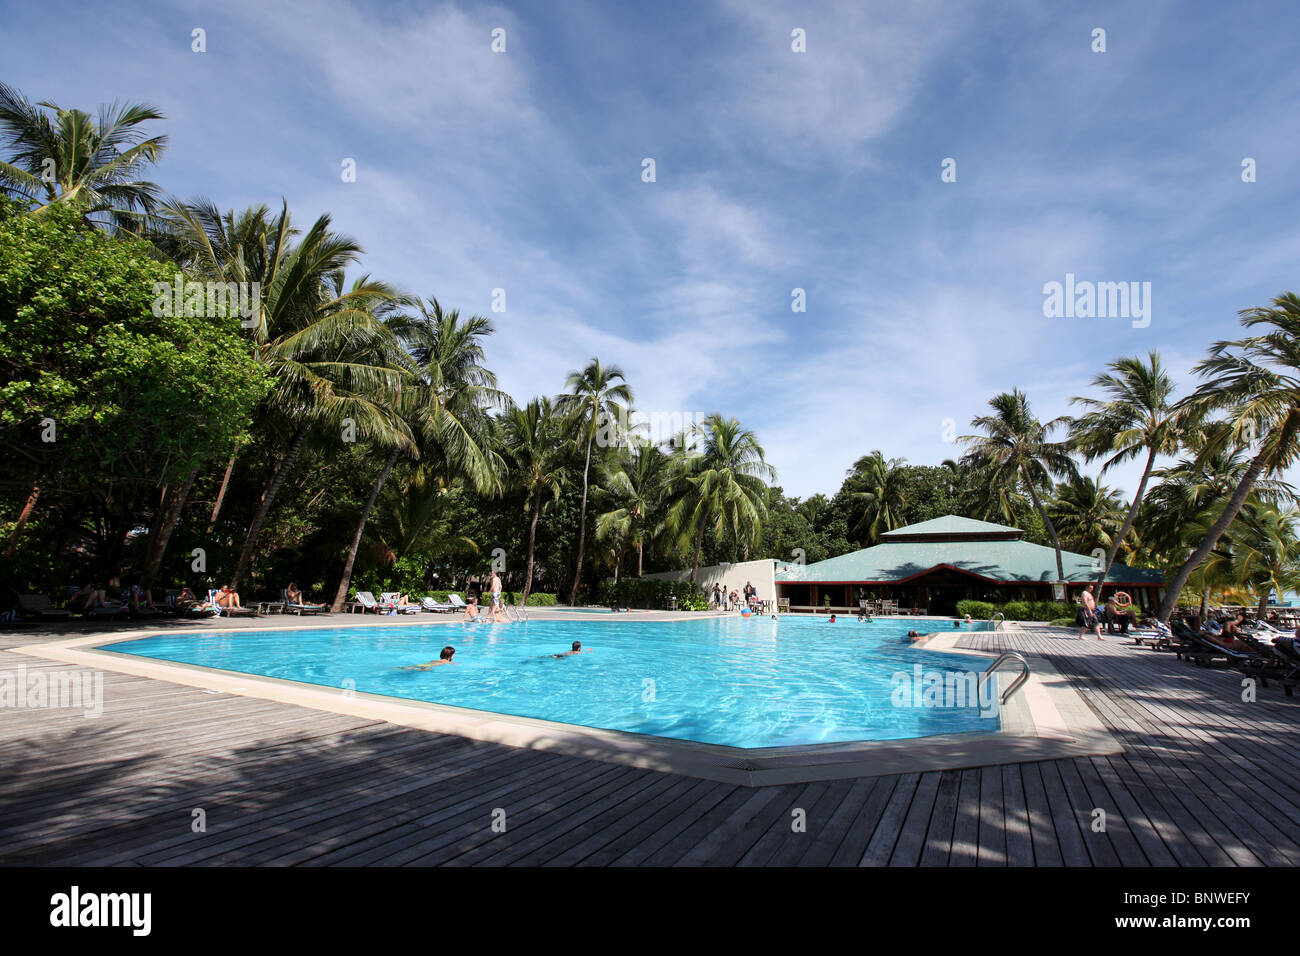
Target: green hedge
1017 610
652 595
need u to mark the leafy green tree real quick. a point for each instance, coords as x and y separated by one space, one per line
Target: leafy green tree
129 398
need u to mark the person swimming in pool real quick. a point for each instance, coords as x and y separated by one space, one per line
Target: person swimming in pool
832 618
445 657
913 635
577 649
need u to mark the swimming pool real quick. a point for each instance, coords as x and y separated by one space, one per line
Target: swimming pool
723 680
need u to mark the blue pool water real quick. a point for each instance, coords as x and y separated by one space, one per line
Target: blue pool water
744 683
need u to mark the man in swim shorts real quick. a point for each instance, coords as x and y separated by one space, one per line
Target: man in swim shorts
1089 612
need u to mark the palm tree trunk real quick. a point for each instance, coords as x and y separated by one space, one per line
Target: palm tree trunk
1051 528
221 495
582 527
1128 522
341 595
699 545
158 539
23 516
640 554
532 538
264 507
1263 603
1216 531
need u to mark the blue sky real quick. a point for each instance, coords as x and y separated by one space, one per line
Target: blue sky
775 170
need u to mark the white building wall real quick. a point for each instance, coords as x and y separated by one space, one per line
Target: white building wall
761 574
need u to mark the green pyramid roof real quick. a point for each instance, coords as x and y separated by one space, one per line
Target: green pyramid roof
1003 560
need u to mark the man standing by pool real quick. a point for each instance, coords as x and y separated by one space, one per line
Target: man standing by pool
495 588
1089 612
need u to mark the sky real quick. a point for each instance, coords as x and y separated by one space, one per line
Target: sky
921 171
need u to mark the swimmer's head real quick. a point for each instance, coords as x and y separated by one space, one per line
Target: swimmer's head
577 645
448 653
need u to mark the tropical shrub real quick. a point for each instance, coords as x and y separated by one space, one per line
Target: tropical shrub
1016 611
652 595
979 610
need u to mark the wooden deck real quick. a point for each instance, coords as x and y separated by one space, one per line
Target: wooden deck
1205 780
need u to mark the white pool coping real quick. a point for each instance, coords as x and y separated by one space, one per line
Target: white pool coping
1045 720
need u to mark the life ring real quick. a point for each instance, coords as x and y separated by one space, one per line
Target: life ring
1122 599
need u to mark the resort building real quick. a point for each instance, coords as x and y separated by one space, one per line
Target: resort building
930 566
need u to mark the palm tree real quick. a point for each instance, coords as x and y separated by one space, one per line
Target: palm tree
1258 392
721 486
1015 452
634 484
596 396
1087 515
876 485
1135 417
443 412
322 345
62 156
533 438
1268 548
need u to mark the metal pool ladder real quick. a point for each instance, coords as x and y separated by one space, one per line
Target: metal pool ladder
996 621
517 612
1015 684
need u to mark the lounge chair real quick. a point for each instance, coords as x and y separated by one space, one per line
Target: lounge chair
1157 635
457 602
223 611
40 606
366 601
429 604
389 600
300 608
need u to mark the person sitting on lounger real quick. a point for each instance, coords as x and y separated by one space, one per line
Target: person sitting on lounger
141 599
228 598
577 649
86 598
1224 639
293 594
445 657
